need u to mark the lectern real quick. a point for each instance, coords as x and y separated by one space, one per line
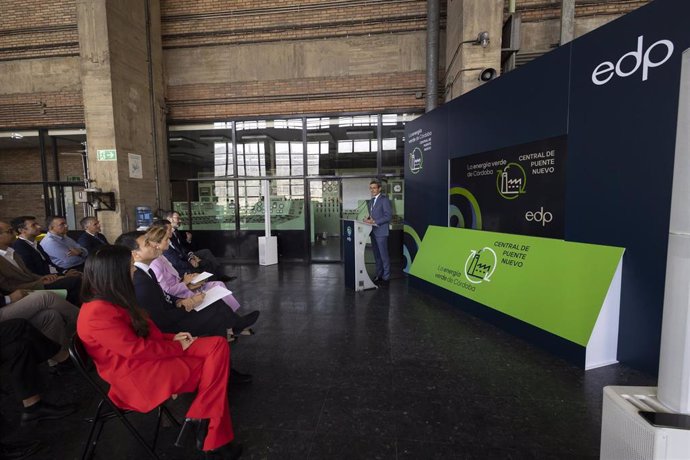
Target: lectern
354 236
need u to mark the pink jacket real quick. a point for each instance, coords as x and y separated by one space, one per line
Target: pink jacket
171 283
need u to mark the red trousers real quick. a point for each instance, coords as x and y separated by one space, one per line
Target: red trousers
210 381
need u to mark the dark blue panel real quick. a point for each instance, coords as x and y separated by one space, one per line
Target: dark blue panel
426 188
620 162
525 105
621 143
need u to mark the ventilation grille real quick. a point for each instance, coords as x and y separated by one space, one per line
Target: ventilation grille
624 435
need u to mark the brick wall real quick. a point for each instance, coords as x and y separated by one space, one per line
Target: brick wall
24 165
541 21
190 23
540 10
377 92
35 30
38 28
380 77
44 109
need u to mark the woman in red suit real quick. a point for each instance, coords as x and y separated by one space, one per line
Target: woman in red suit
145 367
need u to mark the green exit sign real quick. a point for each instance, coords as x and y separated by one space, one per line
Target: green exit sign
106 155
73 178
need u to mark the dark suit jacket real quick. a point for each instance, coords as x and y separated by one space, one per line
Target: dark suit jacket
37 261
180 242
178 259
382 213
212 320
91 242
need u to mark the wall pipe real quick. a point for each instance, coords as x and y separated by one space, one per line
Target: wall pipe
152 100
432 40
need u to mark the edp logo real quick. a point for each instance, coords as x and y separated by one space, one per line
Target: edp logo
630 62
541 216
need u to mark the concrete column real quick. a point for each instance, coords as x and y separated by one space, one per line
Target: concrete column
123 92
567 21
465 61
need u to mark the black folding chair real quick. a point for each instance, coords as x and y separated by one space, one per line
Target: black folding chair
107 409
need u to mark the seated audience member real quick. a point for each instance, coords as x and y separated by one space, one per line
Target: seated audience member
46 311
22 348
177 258
171 313
145 366
14 274
32 254
168 278
201 258
63 250
92 238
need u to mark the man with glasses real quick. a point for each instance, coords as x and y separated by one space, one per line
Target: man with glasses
92 238
15 275
201 258
63 250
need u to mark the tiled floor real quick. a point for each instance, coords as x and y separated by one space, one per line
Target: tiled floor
388 374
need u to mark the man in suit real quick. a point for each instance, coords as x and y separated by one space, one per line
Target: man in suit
63 250
92 238
380 214
14 274
32 254
201 258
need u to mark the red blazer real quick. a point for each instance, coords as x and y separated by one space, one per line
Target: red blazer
142 372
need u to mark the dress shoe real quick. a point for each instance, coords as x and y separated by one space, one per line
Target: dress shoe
193 429
376 280
243 322
17 450
238 378
230 451
45 411
383 283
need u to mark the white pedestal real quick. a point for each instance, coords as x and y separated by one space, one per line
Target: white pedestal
268 250
674 359
626 435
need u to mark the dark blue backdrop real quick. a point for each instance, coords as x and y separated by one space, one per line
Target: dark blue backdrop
621 141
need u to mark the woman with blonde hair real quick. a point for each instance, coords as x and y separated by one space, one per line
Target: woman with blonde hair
171 283
168 277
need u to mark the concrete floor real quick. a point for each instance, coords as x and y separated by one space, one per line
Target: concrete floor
388 374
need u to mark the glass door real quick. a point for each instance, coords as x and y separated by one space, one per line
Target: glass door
326 207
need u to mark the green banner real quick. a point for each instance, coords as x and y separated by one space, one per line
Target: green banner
555 285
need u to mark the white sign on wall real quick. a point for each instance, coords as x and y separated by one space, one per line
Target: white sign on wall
135 169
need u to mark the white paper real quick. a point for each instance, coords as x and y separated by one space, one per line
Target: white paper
213 294
201 276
